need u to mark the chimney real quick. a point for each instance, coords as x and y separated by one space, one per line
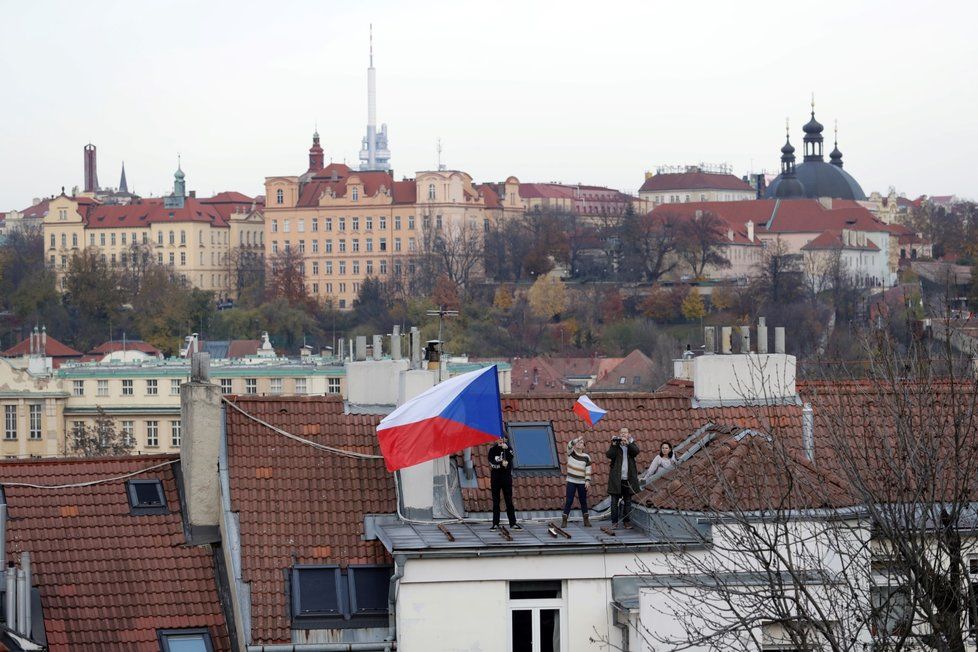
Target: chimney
415 347
11 595
709 340
779 339
725 333
745 339
750 230
341 349
378 347
203 426
396 343
44 340
808 431
361 348
761 335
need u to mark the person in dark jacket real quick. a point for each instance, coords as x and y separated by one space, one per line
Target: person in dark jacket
501 482
622 477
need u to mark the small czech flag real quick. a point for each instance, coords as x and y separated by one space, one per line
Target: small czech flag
588 411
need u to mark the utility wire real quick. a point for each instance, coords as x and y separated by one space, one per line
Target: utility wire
90 482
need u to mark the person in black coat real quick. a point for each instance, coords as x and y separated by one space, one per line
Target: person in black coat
622 477
501 481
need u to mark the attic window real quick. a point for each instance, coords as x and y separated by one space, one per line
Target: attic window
534 446
146 497
185 640
327 596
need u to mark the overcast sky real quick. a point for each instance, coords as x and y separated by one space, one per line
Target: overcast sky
570 91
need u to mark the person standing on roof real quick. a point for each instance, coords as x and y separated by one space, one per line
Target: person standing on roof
578 479
664 461
501 482
622 477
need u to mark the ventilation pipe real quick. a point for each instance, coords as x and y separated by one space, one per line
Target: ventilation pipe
11 597
22 601
25 568
44 340
396 343
779 339
415 348
3 528
709 340
341 349
761 335
808 431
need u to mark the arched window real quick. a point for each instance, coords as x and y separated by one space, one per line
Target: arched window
279 196
356 194
431 191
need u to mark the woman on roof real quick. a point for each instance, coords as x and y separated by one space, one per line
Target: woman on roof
578 479
664 461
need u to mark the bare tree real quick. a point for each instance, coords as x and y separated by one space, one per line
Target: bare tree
701 242
850 527
648 245
99 439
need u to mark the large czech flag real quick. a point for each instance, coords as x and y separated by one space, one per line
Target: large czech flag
460 412
588 411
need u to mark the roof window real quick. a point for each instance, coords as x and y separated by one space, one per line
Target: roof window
185 640
534 446
146 497
328 596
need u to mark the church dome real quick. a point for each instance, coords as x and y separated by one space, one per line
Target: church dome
821 179
813 126
788 188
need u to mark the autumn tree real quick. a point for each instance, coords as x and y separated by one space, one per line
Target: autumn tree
548 297
701 243
693 308
94 296
286 278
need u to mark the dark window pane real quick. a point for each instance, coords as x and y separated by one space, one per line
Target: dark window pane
522 630
533 446
534 590
370 587
318 595
549 630
148 494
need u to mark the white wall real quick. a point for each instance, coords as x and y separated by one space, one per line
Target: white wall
452 617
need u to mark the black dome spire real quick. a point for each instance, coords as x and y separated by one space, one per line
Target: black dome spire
835 156
813 137
788 186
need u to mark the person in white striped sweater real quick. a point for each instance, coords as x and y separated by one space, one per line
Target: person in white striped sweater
578 479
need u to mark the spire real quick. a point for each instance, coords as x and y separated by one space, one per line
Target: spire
788 186
371 45
179 185
374 152
123 186
835 157
315 153
813 137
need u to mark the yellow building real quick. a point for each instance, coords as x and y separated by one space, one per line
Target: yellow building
349 225
197 237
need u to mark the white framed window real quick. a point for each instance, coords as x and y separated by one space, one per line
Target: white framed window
333 386
225 385
9 422
152 388
152 434
34 425
537 611
279 196
300 385
251 385
175 434
174 387
101 387
127 386
128 433
78 388
275 385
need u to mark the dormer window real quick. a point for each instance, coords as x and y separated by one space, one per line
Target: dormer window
431 192
356 194
146 497
279 196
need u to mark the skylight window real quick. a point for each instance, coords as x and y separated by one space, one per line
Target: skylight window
533 445
146 497
185 640
328 596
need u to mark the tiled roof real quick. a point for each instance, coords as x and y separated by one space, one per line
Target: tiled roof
833 240
228 197
532 375
694 181
789 215
38 210
406 191
108 579
150 211
53 348
545 191
635 365
335 177
299 505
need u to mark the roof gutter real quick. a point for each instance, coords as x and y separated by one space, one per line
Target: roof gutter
379 646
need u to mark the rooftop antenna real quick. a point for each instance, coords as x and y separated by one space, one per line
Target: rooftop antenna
371 45
441 313
441 166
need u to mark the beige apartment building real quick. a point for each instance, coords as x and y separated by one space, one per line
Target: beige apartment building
196 237
350 225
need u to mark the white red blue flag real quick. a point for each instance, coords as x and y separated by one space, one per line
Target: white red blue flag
588 411
460 412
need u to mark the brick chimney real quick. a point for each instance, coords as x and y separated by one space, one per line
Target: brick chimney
203 425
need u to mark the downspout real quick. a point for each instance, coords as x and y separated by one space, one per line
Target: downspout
399 563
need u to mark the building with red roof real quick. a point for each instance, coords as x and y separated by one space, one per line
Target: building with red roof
198 238
691 183
351 225
43 345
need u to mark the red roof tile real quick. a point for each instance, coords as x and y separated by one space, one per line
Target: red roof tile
129 345
789 215
545 191
373 182
833 240
693 181
53 348
108 579
150 211
299 505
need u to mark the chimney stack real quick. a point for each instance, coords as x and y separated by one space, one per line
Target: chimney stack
745 339
761 335
361 348
725 334
378 347
396 343
808 431
415 347
779 339
202 417
341 349
709 340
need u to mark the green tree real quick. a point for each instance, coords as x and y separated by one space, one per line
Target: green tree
94 297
